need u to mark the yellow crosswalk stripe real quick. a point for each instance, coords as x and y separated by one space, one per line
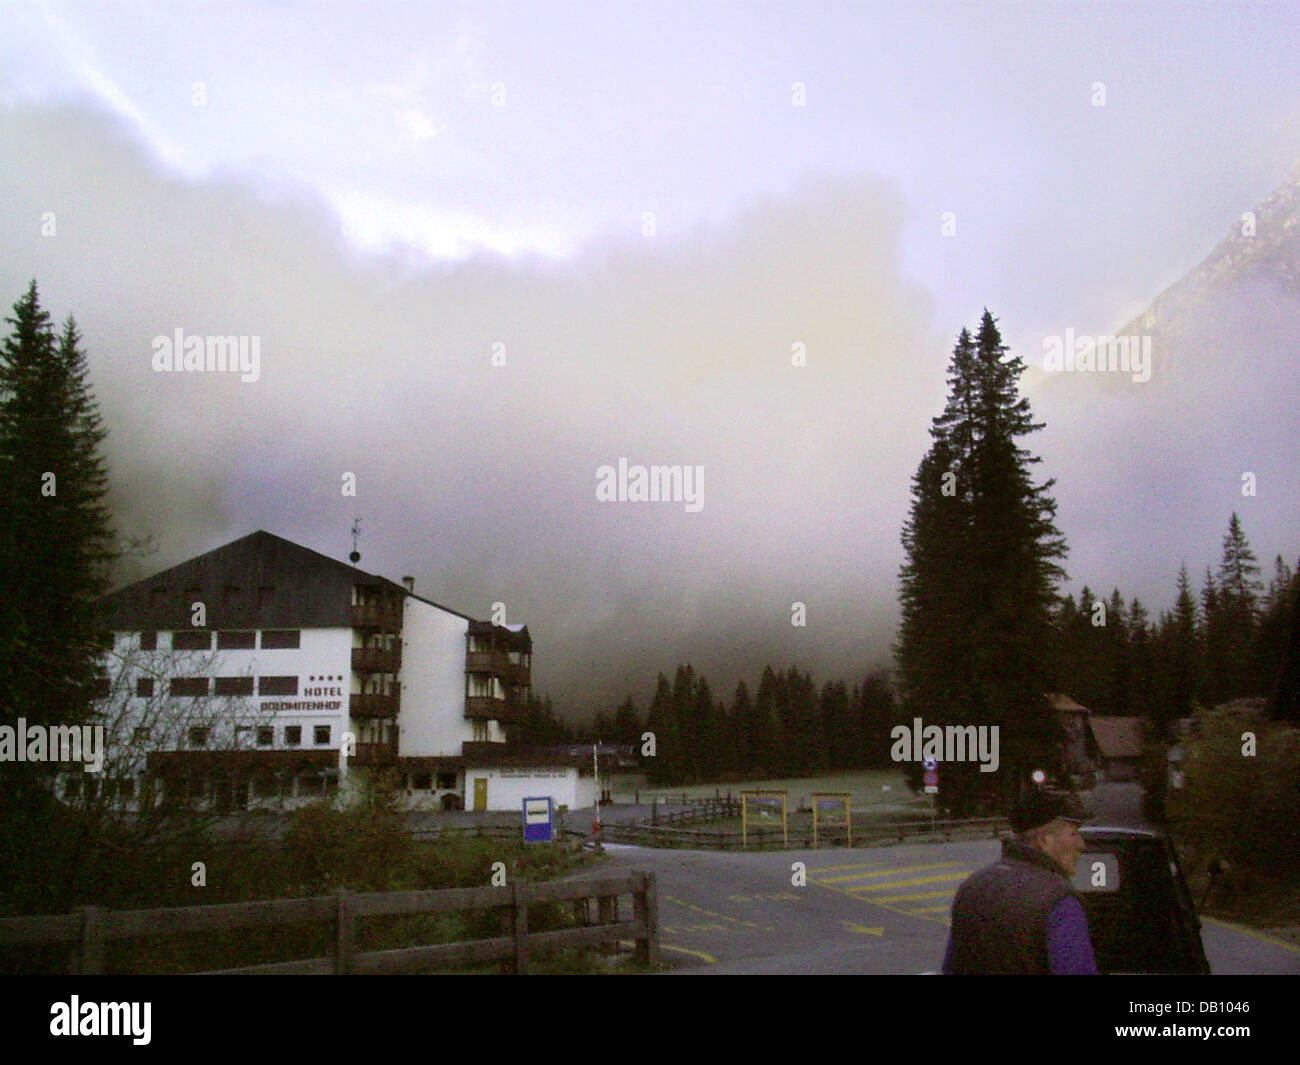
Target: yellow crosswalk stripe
909 883
841 868
885 872
949 893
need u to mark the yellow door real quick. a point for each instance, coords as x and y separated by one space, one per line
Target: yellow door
480 793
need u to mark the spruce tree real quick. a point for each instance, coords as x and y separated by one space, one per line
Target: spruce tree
56 546
978 587
57 543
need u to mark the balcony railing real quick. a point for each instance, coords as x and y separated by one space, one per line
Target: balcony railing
490 708
498 663
376 659
374 705
375 754
377 616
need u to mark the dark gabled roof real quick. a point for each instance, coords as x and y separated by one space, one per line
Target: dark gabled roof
258 581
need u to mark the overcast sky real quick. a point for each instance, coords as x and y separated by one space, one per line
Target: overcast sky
643 210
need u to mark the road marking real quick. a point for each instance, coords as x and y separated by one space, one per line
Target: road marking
1257 935
708 959
883 906
883 872
862 929
711 913
931 909
841 868
918 895
911 883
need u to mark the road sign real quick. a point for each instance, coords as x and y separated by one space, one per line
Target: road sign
930 764
538 826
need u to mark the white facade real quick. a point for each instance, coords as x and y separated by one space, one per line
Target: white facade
433 682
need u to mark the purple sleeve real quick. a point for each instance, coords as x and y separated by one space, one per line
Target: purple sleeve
1069 950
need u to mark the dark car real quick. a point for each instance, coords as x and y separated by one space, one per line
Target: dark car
1140 913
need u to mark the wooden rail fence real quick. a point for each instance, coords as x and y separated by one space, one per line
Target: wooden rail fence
91 929
662 834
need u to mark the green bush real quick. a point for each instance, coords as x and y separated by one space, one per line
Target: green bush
1240 806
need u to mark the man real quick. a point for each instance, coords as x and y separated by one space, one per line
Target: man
1021 915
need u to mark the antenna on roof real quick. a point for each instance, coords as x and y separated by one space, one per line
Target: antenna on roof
355 557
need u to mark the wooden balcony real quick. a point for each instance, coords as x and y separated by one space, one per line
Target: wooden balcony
497 663
490 708
378 754
387 616
376 660
372 705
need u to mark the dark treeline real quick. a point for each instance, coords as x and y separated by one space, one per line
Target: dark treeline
784 727
1227 641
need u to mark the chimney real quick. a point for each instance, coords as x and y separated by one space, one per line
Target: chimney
410 584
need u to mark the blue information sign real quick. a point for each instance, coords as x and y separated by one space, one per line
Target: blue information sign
538 823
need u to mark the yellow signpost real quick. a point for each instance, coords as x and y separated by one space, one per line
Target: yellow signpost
763 800
825 803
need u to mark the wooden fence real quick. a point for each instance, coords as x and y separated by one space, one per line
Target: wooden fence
646 834
91 929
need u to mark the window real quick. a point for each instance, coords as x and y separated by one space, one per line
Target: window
144 686
149 641
480 732
446 781
277 686
292 735
322 734
189 686
192 640
421 781
198 736
233 686
265 736
236 641
278 639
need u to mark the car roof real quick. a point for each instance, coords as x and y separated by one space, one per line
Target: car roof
1100 833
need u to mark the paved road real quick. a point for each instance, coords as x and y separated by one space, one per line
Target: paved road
877 910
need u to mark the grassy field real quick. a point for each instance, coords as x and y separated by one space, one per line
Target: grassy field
875 791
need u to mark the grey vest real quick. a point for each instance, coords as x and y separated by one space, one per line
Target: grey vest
999 916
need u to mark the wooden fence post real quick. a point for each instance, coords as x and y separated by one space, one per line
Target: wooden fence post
645 908
520 896
93 941
345 934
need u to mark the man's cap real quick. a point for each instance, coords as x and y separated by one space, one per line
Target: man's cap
1037 808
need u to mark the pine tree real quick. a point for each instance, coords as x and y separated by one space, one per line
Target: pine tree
1239 589
978 588
1186 653
56 544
